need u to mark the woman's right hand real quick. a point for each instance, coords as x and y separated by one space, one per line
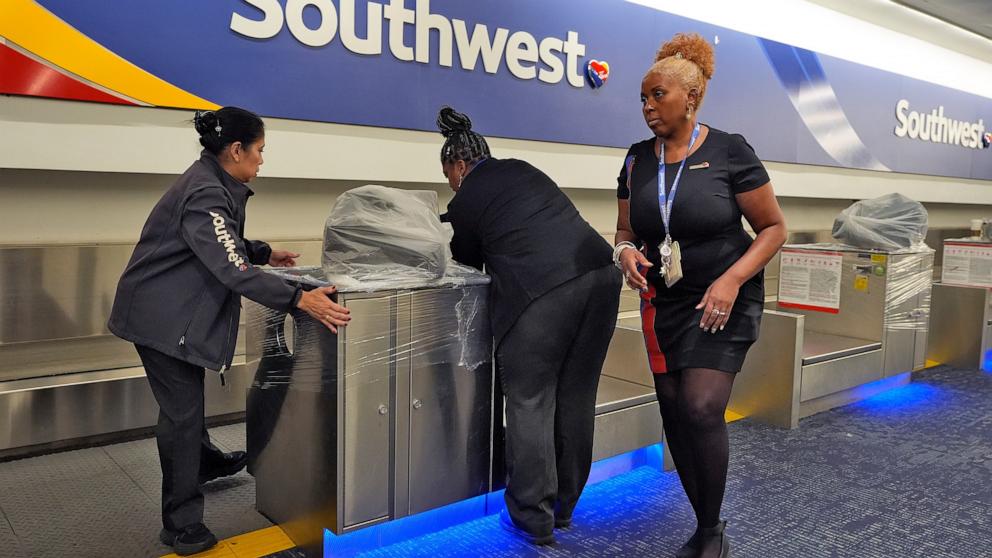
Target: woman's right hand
631 261
318 304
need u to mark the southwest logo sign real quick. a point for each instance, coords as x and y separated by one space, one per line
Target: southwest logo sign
550 59
520 68
597 72
934 127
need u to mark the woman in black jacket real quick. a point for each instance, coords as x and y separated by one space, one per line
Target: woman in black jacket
179 302
553 308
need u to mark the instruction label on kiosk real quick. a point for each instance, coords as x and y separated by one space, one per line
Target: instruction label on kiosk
810 280
967 263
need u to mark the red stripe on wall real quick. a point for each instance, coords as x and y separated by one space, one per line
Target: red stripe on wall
656 358
826 309
21 75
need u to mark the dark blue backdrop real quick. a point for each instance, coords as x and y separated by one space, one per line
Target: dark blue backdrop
190 44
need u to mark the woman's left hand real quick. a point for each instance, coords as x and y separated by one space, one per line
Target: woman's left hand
718 303
283 258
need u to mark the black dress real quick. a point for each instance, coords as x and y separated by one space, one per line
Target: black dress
706 222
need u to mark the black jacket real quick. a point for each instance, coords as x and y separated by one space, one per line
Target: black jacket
181 292
512 218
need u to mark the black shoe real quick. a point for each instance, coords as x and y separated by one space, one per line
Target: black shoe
506 522
190 540
167 537
563 518
710 535
232 463
690 548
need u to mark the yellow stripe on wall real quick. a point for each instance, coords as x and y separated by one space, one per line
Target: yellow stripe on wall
35 29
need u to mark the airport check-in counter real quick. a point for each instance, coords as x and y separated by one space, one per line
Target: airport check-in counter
865 317
391 416
399 412
65 380
961 319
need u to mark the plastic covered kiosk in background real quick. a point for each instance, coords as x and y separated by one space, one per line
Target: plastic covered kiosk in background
890 222
378 237
392 415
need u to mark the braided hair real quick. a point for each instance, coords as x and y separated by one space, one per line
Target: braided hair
461 143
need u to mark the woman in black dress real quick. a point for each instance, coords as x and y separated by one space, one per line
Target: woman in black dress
553 306
699 273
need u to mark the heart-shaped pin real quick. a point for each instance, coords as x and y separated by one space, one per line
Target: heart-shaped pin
598 72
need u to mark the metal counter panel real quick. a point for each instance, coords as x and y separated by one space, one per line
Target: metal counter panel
839 374
369 364
820 347
861 312
768 386
626 429
960 325
58 292
450 409
389 417
292 441
41 414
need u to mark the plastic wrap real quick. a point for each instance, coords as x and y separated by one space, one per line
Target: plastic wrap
408 383
378 237
442 324
907 298
890 222
909 281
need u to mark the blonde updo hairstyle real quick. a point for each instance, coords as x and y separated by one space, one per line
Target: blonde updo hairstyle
688 59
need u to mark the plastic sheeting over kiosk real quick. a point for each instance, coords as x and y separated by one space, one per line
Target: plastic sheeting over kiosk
391 416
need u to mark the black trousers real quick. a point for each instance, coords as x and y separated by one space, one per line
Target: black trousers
184 448
549 365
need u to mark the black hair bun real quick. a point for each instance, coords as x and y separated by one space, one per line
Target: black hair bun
205 122
451 122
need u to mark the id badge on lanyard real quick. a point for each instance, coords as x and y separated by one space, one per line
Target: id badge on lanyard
671 255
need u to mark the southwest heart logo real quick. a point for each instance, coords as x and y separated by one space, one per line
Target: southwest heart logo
987 140
598 72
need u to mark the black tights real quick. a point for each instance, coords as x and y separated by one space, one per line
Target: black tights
693 402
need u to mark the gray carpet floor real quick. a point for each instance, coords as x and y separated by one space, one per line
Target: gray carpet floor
105 501
906 473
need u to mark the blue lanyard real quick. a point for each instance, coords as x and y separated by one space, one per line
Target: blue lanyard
666 201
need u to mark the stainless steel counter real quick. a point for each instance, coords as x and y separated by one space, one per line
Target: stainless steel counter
961 326
390 417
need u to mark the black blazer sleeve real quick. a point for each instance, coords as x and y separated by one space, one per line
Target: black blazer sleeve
466 245
466 248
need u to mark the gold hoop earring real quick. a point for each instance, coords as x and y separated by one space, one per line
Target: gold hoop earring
688 113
